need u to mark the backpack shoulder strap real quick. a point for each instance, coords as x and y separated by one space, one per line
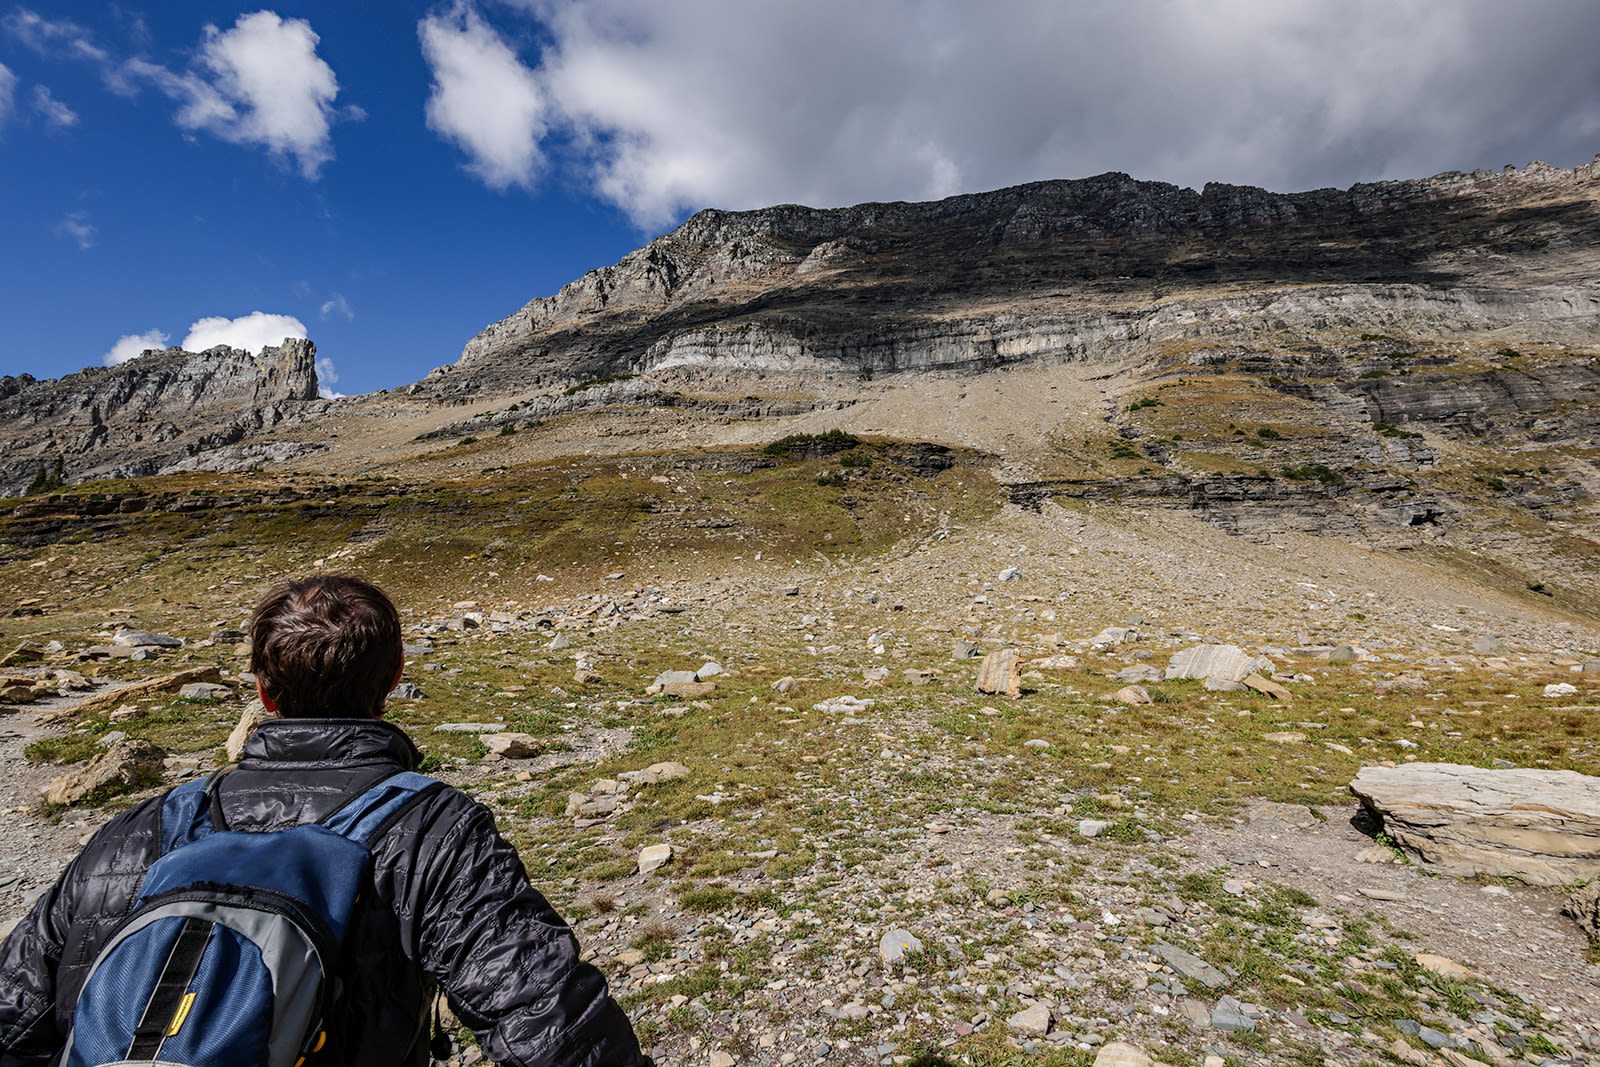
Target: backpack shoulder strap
188 813
366 817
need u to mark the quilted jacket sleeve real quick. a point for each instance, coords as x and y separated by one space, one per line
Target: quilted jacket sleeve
507 961
43 961
28 961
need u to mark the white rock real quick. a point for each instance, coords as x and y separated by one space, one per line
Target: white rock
1560 689
1031 1022
654 857
894 945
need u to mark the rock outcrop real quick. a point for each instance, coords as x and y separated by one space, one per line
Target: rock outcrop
1540 826
166 410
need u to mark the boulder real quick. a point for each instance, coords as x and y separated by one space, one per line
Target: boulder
1229 662
965 650
1001 672
1541 826
894 945
1584 907
689 690
141 639
166 683
205 692
1269 687
127 765
254 715
1132 694
511 745
656 772
1031 1022
1141 672
654 857
26 652
1121 1054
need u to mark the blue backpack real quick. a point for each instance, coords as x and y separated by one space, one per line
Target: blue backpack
231 952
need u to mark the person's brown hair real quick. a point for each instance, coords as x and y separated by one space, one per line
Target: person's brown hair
326 647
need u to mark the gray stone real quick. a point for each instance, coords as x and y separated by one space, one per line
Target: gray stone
1189 966
1542 826
511 745
204 691
875 674
894 945
1229 1014
1195 1011
786 685
1117 1053
1092 827
1058 663
1490 646
1343 654
965 650
1010 574
108 739
707 670
914 676
1031 1022
1132 694
469 727
666 678
407 691
1229 662
142 639
1223 685
558 642
1114 635
656 772
1142 672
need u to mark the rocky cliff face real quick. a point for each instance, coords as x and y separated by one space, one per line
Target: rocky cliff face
1051 269
166 410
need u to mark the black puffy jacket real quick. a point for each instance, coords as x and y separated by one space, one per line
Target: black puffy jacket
452 905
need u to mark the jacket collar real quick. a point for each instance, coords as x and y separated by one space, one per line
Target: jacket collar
328 743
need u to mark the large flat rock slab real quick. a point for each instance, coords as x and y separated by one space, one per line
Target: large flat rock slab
1540 826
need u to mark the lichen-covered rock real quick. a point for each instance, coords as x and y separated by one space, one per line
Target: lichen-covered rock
127 765
1541 826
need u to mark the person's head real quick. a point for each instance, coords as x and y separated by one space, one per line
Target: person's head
325 647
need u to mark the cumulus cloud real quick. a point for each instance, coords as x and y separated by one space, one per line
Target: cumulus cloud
669 107
8 84
133 344
327 378
251 332
77 227
337 305
484 99
54 111
261 83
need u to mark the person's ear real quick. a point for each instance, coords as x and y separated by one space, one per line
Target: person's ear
266 701
383 705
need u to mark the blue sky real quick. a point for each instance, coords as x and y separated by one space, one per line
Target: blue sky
392 177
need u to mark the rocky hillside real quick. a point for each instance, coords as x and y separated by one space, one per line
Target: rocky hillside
164 411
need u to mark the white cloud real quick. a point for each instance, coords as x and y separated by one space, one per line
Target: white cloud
52 37
337 305
133 344
77 227
251 332
259 83
668 107
327 378
54 111
8 82
484 99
